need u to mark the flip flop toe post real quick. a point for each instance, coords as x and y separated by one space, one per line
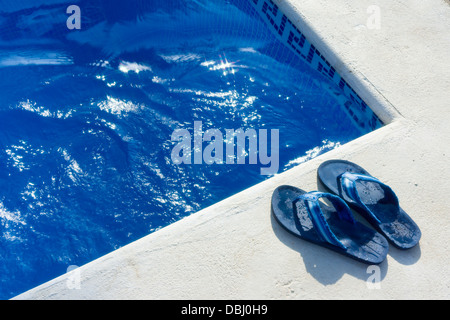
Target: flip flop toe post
331 226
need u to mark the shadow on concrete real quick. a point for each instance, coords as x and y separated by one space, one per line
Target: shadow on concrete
406 257
325 265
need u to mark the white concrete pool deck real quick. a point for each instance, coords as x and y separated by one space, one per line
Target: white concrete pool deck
235 249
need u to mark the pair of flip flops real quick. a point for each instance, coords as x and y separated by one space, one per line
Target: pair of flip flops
333 226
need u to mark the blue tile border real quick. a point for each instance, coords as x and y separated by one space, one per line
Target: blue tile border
293 38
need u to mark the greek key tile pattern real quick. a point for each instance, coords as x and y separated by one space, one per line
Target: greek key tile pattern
290 35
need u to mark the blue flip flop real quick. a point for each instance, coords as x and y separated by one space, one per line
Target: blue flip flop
332 227
371 198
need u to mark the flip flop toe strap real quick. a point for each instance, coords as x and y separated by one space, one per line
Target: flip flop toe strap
347 190
311 201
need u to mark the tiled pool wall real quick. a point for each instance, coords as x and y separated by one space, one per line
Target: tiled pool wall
360 113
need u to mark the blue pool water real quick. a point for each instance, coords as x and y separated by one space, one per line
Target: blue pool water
86 118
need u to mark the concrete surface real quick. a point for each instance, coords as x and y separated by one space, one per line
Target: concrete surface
235 249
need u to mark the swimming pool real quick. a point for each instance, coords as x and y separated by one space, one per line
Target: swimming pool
87 115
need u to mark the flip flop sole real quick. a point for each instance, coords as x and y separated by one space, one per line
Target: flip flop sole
362 243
